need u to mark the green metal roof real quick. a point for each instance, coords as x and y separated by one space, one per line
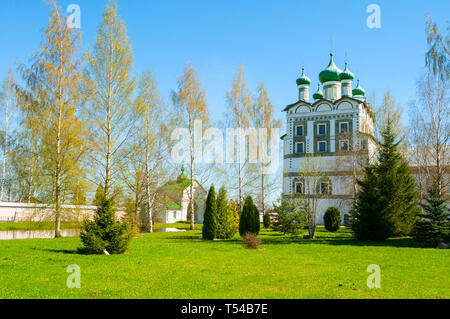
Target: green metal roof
331 73
346 74
318 95
358 90
303 79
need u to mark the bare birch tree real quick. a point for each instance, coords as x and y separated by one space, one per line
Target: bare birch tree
7 101
111 111
190 105
239 102
263 118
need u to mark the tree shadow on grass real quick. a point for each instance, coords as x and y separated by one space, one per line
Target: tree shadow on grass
61 251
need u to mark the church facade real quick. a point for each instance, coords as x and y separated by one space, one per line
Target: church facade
328 138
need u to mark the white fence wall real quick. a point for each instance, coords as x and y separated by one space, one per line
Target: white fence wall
20 212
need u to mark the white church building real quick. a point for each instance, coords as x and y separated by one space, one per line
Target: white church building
174 198
327 138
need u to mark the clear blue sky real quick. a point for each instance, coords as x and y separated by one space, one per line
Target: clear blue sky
273 39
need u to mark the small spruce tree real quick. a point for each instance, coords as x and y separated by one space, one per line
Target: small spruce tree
210 216
104 233
249 221
434 225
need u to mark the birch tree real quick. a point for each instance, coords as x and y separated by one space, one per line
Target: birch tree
239 102
7 101
430 128
111 112
190 105
263 118
55 75
153 139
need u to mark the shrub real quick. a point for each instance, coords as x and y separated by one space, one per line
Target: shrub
249 221
210 216
225 219
332 219
291 216
251 240
266 220
104 233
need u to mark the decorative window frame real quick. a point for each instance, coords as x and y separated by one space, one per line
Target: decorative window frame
318 147
348 145
296 149
303 130
340 127
318 129
321 181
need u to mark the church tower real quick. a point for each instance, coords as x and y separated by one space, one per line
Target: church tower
326 138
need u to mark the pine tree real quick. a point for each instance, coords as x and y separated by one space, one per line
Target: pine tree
210 216
369 222
224 218
434 225
396 186
104 233
249 221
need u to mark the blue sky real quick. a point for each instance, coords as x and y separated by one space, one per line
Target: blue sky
273 39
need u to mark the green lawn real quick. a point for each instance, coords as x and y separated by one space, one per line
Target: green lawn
181 265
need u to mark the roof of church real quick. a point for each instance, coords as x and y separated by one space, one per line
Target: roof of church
171 193
331 73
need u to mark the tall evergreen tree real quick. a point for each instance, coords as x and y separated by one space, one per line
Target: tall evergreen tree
249 221
387 202
396 186
369 222
210 216
434 225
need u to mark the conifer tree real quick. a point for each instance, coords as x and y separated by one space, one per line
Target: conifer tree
266 220
104 233
249 221
396 186
223 218
235 214
369 222
434 225
210 216
387 202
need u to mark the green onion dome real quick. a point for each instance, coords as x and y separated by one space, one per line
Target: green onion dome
358 90
303 79
318 95
331 73
346 74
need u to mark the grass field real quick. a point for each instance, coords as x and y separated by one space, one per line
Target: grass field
182 265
